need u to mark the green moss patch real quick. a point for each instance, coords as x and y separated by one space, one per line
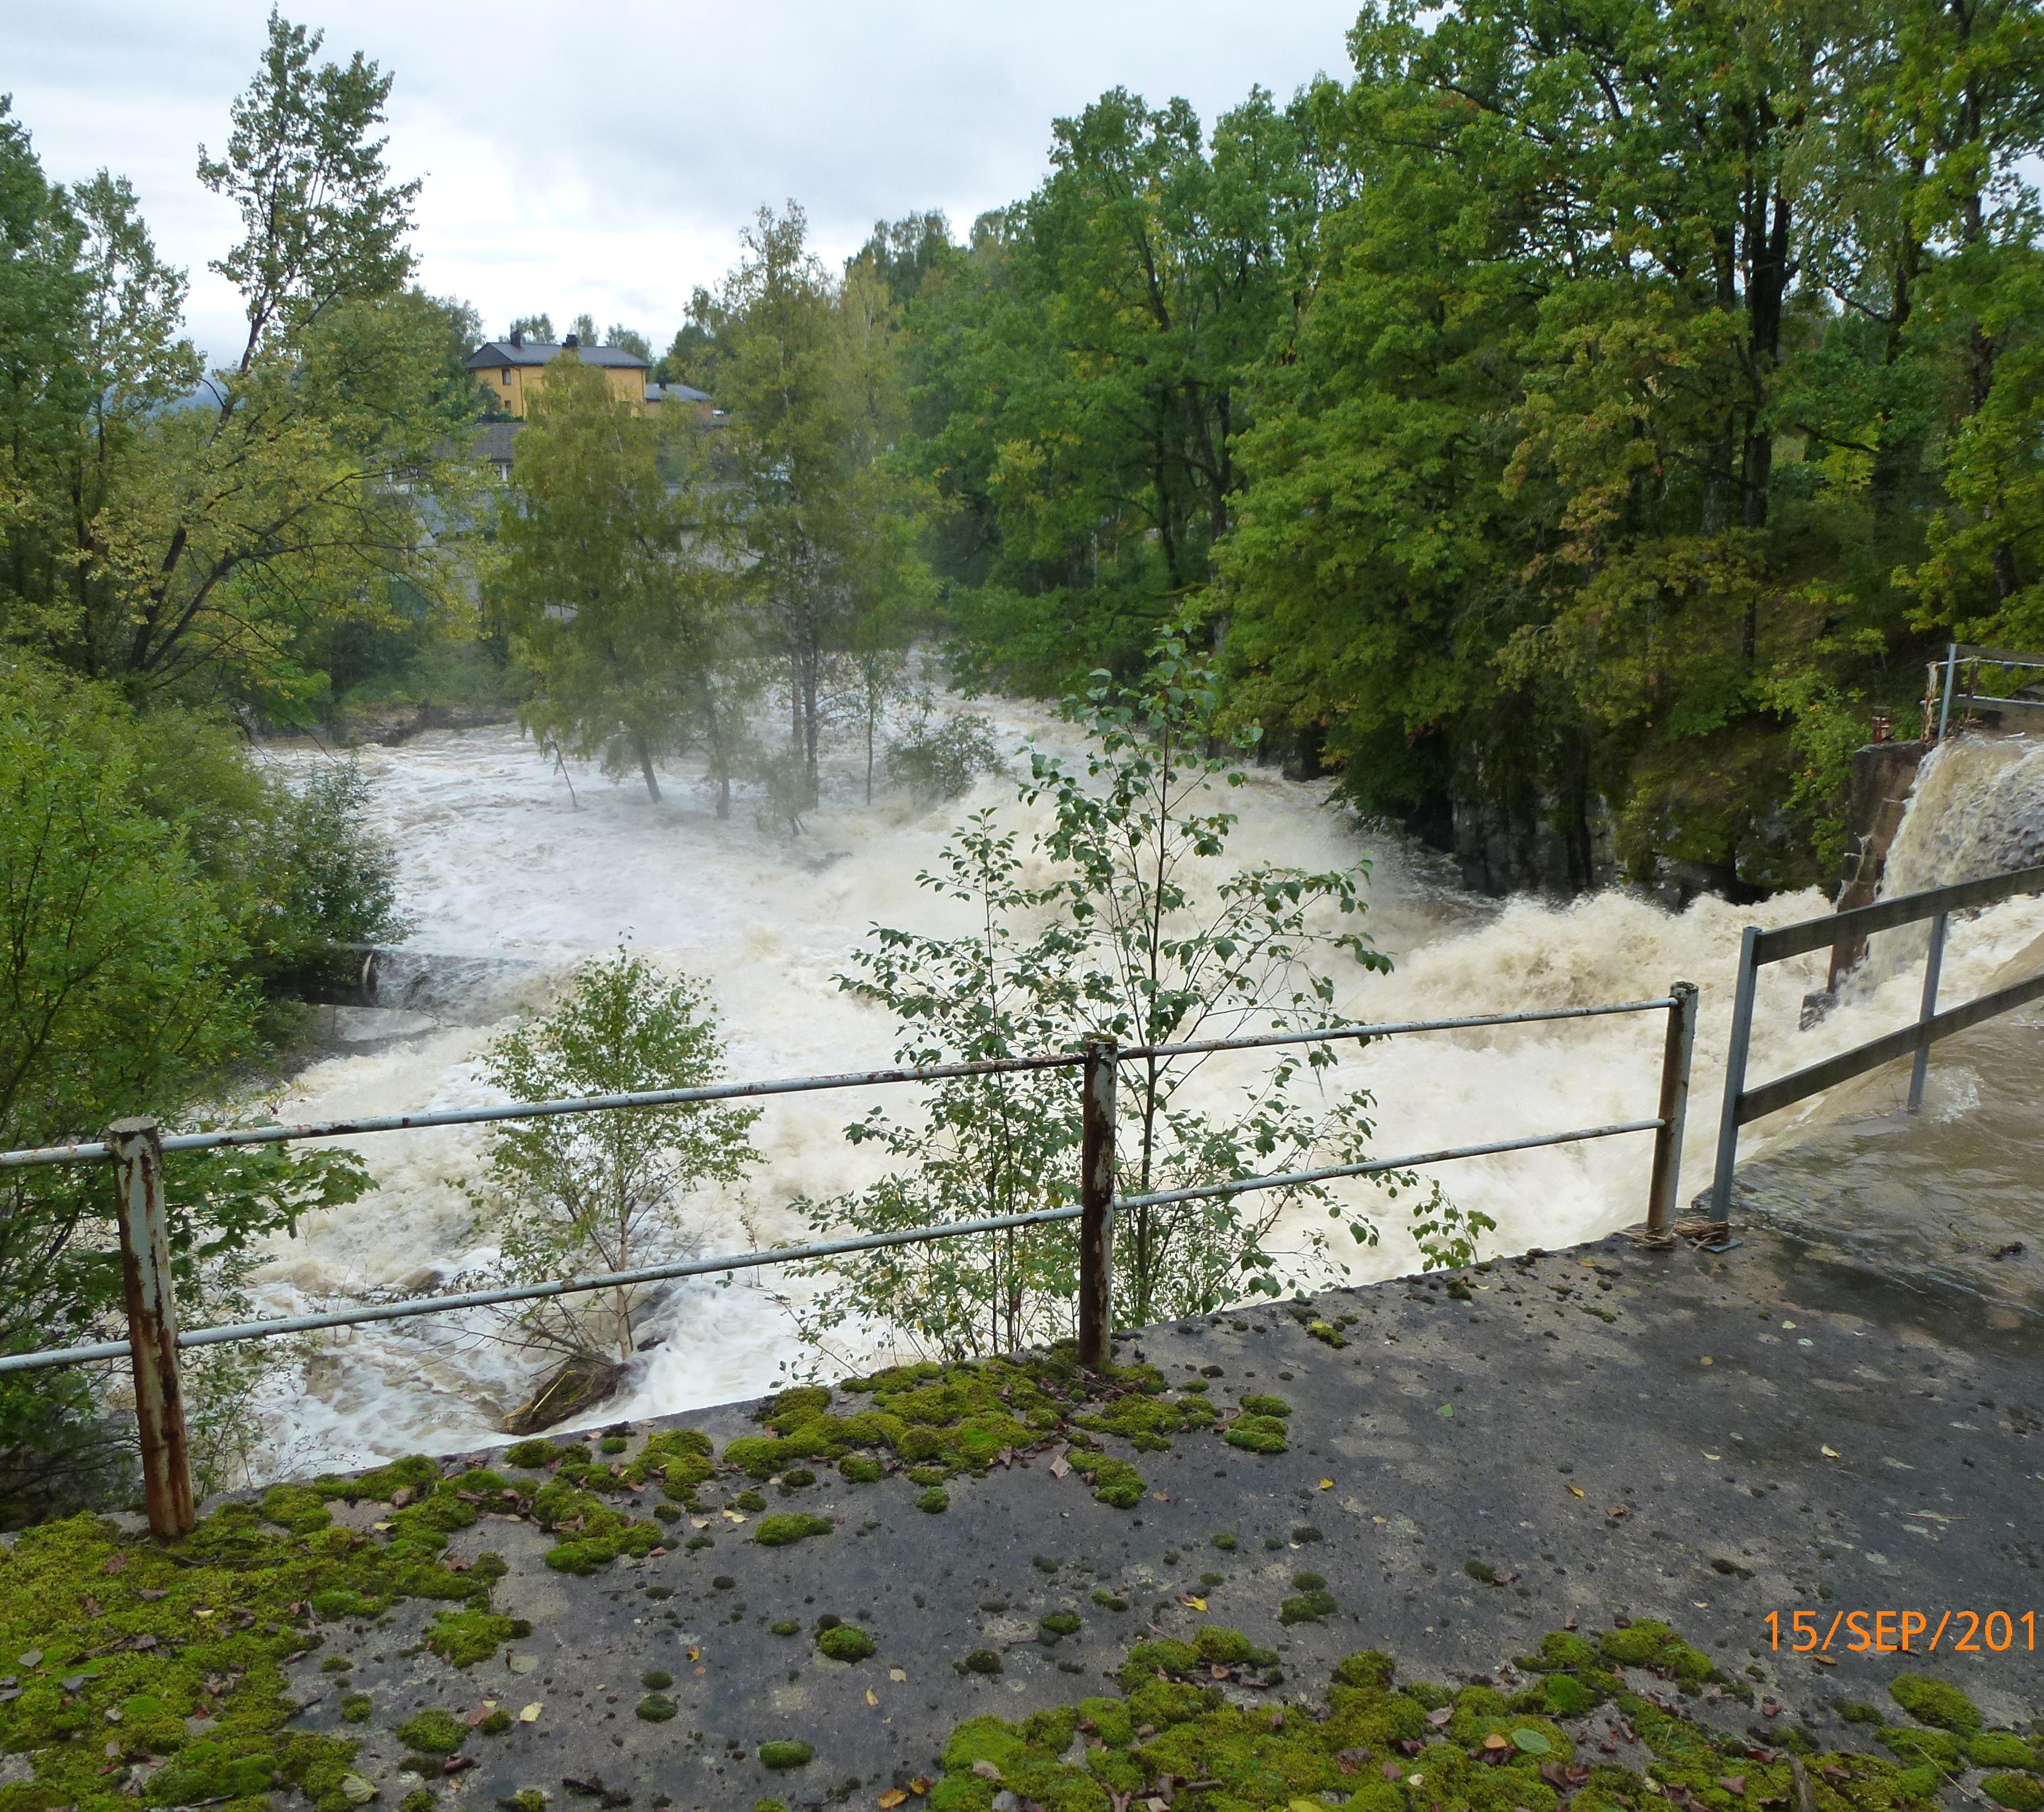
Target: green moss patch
1184 1730
786 1754
202 1629
846 1642
783 1531
432 1732
1933 1702
1256 1434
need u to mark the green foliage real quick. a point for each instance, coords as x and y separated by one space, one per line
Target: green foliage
941 760
820 523
608 515
1588 420
128 993
185 540
600 1193
1123 919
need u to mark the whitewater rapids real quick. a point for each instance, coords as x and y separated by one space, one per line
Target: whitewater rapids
503 856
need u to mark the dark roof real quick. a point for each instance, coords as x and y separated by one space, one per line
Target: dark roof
492 441
539 351
675 393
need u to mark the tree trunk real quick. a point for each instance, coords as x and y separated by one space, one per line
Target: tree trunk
646 768
724 796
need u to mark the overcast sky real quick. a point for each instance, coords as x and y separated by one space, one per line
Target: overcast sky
602 159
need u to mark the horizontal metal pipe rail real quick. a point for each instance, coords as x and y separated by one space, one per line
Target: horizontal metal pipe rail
91 1150
1742 1105
137 1148
416 1305
1377 1167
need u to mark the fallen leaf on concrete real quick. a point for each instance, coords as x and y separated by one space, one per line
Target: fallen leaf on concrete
1060 1466
894 1796
1831 1453
899 1675
1191 1602
1327 1484
695 1654
530 1714
1577 1491
1440 1715
870 1700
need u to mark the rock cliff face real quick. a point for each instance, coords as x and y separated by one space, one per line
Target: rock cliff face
1538 844
1882 774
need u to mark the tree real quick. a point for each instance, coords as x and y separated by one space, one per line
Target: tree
540 327
1081 378
630 339
184 540
613 576
583 1194
582 328
123 994
1144 933
691 355
805 370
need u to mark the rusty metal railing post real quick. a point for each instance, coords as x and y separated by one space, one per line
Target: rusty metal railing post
153 1325
1674 1110
1096 1204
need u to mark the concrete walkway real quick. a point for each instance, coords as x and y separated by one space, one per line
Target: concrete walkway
1606 1432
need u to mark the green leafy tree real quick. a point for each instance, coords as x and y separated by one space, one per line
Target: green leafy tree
125 993
186 539
613 576
805 369
585 1194
1145 933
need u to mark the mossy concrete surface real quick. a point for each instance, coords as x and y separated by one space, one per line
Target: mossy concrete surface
1587 1440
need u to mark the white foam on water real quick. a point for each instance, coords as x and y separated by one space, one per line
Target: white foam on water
500 860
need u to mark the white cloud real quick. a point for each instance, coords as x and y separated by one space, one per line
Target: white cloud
604 161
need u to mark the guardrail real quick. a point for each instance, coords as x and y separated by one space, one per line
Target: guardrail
136 1149
1940 692
1743 1105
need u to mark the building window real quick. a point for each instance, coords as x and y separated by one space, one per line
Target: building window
507 377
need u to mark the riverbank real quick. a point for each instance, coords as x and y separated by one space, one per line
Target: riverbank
1574 1441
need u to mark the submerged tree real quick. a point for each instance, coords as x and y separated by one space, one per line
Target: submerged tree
586 1194
805 370
614 574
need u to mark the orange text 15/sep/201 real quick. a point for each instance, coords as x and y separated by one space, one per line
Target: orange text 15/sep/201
1903 1632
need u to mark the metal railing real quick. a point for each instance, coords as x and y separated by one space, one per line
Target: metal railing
136 1149
1941 689
1743 1105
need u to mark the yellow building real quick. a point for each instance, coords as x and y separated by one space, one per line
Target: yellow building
509 370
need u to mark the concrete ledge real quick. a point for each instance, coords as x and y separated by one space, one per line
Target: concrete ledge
1608 1433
